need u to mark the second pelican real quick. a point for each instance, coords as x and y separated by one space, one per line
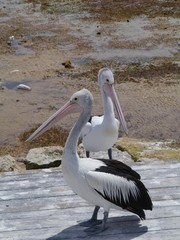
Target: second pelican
101 132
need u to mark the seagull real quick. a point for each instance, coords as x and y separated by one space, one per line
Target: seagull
103 183
101 132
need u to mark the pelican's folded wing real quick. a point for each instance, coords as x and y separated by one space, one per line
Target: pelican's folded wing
120 189
96 120
113 188
86 129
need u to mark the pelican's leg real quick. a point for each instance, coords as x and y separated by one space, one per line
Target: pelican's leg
93 221
87 154
96 229
104 221
110 153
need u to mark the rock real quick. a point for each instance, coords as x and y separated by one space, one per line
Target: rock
8 163
67 64
44 157
14 71
2 87
24 87
11 40
122 156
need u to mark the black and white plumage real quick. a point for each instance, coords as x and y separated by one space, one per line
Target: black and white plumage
136 198
104 183
101 132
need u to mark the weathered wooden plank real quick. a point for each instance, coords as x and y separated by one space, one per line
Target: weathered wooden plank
163 193
63 222
136 166
117 226
85 212
162 183
42 203
46 173
46 200
39 205
44 179
30 174
55 234
42 188
56 179
80 213
63 201
37 192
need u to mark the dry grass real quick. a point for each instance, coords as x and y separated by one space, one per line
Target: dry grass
53 137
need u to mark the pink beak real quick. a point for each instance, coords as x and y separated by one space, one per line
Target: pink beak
69 107
111 92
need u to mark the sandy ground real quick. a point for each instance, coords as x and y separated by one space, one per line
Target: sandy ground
138 41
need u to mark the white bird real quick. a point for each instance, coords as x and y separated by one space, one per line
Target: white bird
101 132
104 183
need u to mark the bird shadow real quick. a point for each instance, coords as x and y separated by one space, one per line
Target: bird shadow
126 228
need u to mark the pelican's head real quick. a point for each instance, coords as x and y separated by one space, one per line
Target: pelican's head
79 102
83 99
105 76
106 82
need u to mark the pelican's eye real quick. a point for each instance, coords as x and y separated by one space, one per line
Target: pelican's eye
107 80
75 99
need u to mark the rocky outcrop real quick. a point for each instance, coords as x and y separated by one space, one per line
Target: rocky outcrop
44 157
117 154
141 149
126 150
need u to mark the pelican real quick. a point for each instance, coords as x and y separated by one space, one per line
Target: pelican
103 183
101 132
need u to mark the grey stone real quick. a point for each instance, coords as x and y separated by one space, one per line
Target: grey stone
116 154
44 157
8 163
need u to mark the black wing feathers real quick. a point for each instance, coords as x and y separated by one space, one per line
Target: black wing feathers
134 204
118 168
90 119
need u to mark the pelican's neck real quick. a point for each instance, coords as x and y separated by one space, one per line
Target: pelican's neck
72 140
108 107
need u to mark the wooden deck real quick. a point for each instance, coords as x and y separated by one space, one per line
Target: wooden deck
39 205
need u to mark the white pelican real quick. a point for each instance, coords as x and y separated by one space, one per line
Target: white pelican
104 183
101 132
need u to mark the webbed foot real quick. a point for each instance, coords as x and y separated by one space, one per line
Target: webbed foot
93 221
98 229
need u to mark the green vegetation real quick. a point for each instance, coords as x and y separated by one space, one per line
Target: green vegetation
141 148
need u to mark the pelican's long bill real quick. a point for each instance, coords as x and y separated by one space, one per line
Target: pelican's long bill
69 107
112 93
